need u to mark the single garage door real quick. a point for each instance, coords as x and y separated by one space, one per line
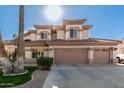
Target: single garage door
71 56
101 56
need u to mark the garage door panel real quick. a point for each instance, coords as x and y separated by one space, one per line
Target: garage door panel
70 56
101 56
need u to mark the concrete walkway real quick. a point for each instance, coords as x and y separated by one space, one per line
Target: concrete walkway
38 78
85 76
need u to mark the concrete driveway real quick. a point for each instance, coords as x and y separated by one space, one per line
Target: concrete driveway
85 76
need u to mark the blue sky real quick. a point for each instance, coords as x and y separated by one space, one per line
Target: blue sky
107 21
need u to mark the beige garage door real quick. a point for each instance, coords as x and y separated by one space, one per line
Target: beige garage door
101 56
70 56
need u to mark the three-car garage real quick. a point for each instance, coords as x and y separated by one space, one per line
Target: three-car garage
80 56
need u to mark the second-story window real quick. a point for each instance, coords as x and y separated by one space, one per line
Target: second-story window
73 33
44 35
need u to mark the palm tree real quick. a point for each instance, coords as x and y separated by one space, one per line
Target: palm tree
20 41
20 49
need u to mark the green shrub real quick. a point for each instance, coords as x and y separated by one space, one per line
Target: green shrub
122 61
118 59
10 81
44 62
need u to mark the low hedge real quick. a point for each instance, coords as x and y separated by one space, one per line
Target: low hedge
44 62
11 81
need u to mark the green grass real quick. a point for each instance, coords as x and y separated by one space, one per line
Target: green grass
10 81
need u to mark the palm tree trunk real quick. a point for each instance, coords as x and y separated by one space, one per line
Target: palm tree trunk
20 46
20 49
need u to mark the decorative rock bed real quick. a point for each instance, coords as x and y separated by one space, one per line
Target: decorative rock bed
15 74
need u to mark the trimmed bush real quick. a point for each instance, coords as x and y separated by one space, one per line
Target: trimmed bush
118 59
122 61
10 81
44 62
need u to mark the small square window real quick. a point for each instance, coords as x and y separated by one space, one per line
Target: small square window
43 35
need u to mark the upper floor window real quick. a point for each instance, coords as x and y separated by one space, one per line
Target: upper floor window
44 35
73 33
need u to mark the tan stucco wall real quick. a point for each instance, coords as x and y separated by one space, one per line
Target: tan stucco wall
120 48
85 34
33 37
51 53
27 37
28 54
43 30
81 34
60 34
67 35
75 26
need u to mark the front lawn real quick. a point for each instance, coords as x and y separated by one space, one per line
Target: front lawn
10 81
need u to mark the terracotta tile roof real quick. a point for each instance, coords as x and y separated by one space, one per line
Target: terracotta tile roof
32 31
81 21
90 41
29 32
43 26
59 27
104 40
87 27
85 42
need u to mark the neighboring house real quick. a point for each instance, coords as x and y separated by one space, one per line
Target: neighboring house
120 50
68 43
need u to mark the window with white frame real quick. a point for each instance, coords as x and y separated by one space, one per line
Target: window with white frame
73 33
44 35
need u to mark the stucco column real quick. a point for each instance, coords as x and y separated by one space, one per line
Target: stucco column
49 36
81 35
28 54
48 52
113 55
85 34
38 37
45 53
51 52
67 34
91 55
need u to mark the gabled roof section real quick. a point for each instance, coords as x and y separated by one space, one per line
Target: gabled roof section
87 27
43 26
29 32
71 22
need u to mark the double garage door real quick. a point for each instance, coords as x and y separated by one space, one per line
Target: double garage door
71 56
80 56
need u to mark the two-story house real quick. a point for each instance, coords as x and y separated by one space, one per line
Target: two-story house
68 43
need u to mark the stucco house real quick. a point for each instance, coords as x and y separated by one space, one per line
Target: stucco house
120 51
68 43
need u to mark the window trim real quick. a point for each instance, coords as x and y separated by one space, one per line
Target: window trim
46 36
70 33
